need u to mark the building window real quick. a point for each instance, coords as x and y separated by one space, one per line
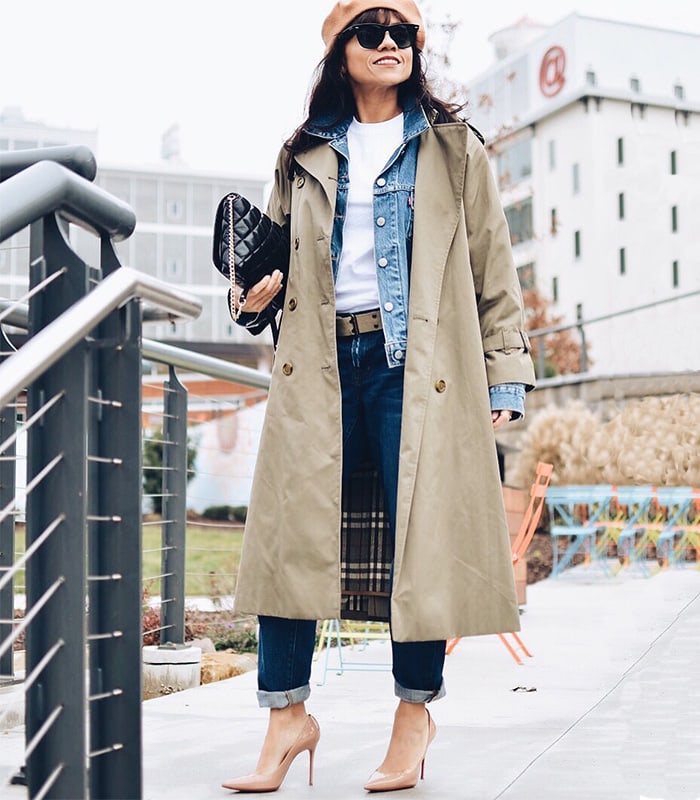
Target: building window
519 217
552 155
621 205
638 110
173 267
553 222
555 289
526 276
174 209
674 219
620 152
577 244
675 275
576 179
635 85
590 77
674 163
622 261
514 163
678 91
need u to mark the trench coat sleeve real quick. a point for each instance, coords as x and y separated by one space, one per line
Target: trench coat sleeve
280 202
278 209
500 303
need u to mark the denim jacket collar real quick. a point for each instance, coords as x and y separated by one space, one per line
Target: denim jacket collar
327 127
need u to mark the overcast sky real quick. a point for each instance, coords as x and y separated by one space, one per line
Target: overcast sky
233 74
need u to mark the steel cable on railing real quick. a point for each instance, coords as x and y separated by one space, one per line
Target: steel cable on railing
29 422
21 301
30 615
9 508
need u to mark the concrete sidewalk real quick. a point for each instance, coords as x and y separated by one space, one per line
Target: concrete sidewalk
609 709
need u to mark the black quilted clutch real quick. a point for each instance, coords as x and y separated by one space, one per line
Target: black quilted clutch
247 246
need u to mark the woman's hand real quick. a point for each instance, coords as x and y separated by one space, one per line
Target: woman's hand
259 297
499 418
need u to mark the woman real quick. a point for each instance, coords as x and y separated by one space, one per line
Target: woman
401 341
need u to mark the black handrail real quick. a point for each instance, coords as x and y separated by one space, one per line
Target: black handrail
77 158
46 186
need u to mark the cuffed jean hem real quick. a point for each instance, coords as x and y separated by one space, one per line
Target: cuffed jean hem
284 699
419 695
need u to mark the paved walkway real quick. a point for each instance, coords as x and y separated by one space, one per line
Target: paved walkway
611 711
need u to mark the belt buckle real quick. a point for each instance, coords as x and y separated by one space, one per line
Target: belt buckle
354 325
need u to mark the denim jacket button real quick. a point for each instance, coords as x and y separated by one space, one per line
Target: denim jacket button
381 182
389 306
383 262
398 354
381 221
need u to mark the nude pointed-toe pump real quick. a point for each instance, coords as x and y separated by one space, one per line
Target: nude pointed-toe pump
272 780
406 778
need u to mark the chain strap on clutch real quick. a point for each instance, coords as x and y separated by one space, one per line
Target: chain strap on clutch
235 310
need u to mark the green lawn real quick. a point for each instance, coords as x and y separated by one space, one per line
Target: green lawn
211 560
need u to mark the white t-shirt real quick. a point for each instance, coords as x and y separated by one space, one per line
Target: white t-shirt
370 146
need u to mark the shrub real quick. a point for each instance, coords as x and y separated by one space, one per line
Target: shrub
653 440
226 513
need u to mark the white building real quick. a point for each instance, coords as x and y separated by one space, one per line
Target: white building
175 207
594 131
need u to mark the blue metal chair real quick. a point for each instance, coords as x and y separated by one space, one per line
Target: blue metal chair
577 514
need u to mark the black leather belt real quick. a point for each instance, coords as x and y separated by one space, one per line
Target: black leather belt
363 322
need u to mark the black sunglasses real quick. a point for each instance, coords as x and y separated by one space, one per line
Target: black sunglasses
371 34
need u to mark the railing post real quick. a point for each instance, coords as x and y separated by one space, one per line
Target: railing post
8 466
174 511
541 361
582 333
56 638
115 555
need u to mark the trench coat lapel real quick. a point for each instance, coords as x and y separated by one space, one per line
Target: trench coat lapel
322 163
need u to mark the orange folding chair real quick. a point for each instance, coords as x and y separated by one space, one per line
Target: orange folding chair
528 526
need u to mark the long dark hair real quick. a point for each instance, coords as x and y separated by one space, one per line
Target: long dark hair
331 93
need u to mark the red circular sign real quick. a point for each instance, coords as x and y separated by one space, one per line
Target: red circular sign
552 70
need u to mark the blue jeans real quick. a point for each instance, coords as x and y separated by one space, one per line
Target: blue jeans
372 396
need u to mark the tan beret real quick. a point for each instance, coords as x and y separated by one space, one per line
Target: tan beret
345 11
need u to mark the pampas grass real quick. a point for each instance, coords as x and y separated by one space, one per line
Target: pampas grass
655 440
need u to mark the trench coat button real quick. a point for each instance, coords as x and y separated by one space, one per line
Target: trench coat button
296 242
383 261
292 304
440 386
300 182
381 181
381 221
287 368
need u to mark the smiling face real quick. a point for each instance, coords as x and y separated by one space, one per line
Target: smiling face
384 67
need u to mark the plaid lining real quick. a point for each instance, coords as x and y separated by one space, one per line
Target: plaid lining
366 549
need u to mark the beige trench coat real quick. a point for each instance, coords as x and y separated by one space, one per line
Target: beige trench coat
453 574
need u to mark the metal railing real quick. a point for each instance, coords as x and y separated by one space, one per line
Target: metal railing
77 383
580 326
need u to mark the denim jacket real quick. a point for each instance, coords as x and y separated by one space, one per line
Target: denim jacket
394 190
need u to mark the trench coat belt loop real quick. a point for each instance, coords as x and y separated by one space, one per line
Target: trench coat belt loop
362 322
